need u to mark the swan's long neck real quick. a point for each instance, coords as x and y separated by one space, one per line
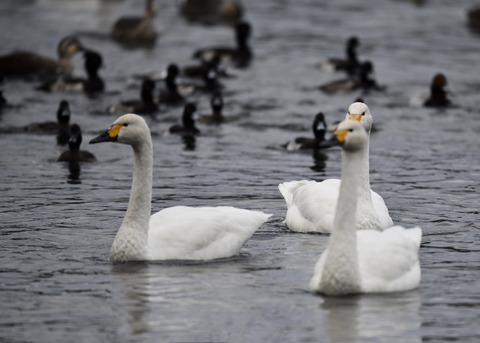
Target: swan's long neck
341 273
365 195
131 242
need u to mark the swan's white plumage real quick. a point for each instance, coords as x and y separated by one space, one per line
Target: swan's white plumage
176 233
311 205
366 261
387 260
205 232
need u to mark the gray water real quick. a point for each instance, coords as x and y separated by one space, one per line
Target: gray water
56 283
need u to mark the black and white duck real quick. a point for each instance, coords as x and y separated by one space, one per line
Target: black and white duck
74 154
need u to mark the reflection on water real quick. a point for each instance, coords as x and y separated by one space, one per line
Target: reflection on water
320 158
74 169
189 142
394 317
133 281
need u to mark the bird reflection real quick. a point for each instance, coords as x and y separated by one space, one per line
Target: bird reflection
395 317
189 142
74 176
133 284
319 160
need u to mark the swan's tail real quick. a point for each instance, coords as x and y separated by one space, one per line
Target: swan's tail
288 188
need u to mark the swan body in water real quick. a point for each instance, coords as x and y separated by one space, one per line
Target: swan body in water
176 233
311 205
365 261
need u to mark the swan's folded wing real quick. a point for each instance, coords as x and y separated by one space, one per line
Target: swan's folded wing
382 211
201 233
388 260
312 204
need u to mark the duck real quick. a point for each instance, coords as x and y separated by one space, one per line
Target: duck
199 71
473 18
26 64
91 85
174 233
438 92
171 94
368 261
240 56
3 100
319 127
188 121
61 127
212 12
350 65
136 30
216 102
311 205
144 105
74 154
365 80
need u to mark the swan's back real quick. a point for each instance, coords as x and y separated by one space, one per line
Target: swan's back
201 233
388 260
306 200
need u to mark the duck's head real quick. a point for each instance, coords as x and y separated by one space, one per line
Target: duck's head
63 112
172 71
351 135
68 46
189 115
128 129
148 86
361 113
439 82
230 10
172 75
150 9
75 137
243 30
353 43
319 126
367 73
93 61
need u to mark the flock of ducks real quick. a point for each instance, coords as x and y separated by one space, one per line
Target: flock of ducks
366 253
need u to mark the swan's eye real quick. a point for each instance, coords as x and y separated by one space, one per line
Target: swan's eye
126 124
363 113
350 130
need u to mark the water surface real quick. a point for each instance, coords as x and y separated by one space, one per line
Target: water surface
57 224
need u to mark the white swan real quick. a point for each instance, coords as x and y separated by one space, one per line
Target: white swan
311 205
179 233
363 261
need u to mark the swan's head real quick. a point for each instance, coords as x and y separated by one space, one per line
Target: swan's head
360 112
128 129
351 135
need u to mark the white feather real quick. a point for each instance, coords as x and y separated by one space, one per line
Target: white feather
364 261
311 205
179 233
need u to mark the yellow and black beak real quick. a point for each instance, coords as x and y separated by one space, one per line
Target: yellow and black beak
340 135
357 117
110 135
